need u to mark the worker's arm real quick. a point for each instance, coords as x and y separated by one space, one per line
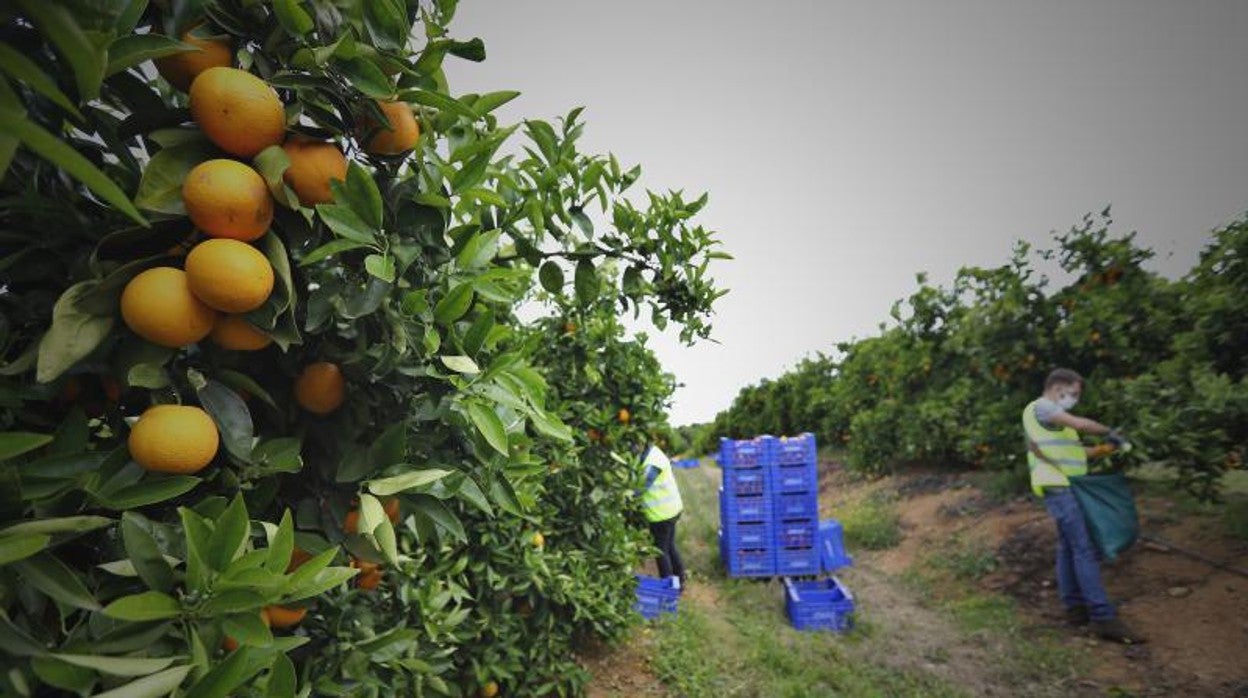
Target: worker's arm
1080 424
652 472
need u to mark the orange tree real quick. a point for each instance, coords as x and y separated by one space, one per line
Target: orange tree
270 426
947 379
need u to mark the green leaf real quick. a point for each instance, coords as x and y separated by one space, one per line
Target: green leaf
365 76
52 577
471 174
272 163
551 276
61 154
144 553
479 250
293 18
248 629
439 101
15 443
490 101
24 70
387 542
55 21
472 50
14 548
491 427
345 223
454 304
281 545
381 266
73 335
281 455
387 23
478 333
441 516
233 418
371 514
160 188
131 50
282 682
329 249
228 675
586 282
470 492
229 540
65 524
118 666
149 605
154 686
582 221
152 490
461 364
74 679
410 480
363 196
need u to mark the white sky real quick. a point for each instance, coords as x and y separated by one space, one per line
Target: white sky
848 145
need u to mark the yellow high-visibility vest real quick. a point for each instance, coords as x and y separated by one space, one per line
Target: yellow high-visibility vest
1064 455
662 500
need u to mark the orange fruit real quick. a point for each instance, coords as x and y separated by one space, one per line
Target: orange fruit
489 690
594 435
176 439
229 275
227 199
400 136
370 573
393 510
298 556
181 69
569 328
238 111
624 416
351 522
320 388
235 333
112 388
312 165
539 541
284 616
158 306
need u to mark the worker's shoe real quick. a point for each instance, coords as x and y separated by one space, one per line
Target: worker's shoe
1077 616
1115 630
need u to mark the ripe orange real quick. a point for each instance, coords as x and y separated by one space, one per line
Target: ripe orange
112 388
158 306
370 573
320 388
393 510
229 275
237 110
181 69
298 556
284 616
569 328
227 199
624 416
594 435
351 522
174 439
235 333
539 541
400 136
489 690
312 165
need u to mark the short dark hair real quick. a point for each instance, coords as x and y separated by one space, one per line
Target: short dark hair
1063 376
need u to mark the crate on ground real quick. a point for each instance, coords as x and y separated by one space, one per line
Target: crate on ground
686 463
753 534
739 509
832 553
797 562
794 450
823 604
796 534
797 505
746 563
744 453
740 483
657 595
795 478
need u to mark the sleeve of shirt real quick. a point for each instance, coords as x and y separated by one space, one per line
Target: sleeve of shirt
1046 410
652 473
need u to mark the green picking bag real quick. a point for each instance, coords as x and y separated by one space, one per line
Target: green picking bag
1109 508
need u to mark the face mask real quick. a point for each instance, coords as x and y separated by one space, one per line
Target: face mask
1067 402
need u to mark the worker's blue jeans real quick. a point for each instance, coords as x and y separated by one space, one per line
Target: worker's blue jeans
1078 566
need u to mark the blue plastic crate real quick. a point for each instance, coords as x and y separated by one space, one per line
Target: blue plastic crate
823 604
746 563
744 453
799 505
794 450
657 595
832 554
796 534
754 534
738 483
797 562
739 509
795 478
686 463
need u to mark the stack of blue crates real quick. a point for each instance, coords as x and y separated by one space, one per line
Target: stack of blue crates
769 508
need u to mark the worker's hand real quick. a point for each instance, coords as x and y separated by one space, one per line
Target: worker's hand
1101 450
1116 437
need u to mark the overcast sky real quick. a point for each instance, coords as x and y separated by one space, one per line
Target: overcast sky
848 145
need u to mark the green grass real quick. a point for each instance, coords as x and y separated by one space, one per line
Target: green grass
871 523
966 560
1235 517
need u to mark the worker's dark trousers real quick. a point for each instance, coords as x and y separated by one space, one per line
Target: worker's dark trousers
664 533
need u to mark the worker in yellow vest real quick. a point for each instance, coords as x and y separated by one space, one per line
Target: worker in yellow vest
1054 455
662 506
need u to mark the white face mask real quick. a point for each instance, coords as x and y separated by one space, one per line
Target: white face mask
1067 402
